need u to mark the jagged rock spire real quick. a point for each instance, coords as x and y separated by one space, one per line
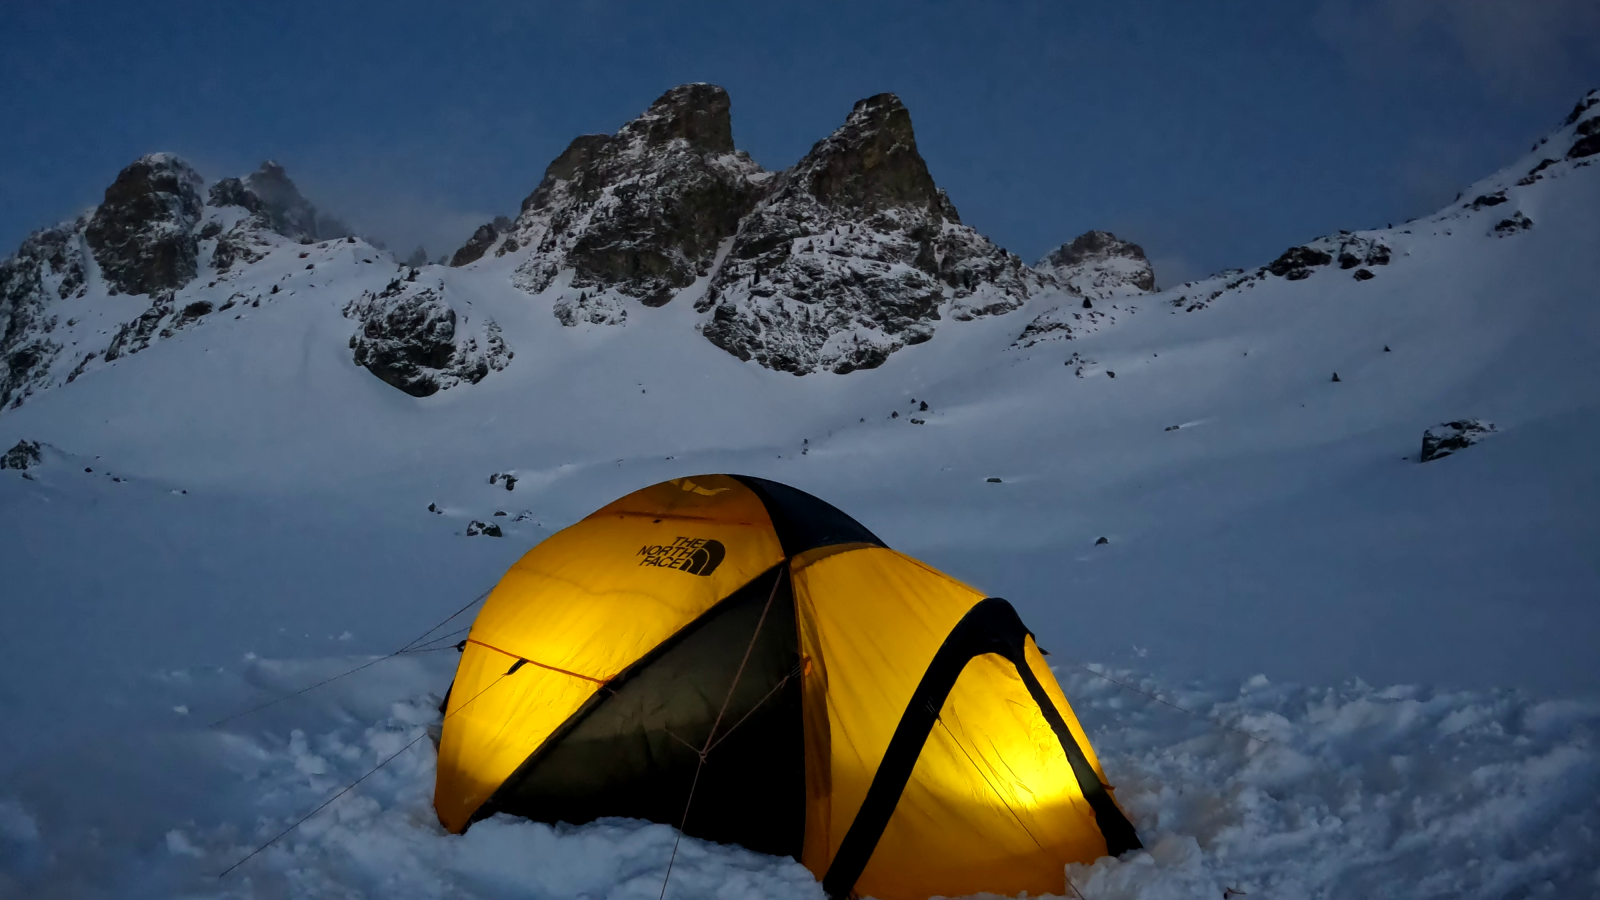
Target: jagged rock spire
638 214
855 254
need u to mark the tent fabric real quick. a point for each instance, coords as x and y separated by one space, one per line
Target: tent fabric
895 730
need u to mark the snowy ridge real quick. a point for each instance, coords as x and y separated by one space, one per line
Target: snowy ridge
239 510
83 293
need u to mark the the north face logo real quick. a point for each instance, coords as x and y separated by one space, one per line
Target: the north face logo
697 556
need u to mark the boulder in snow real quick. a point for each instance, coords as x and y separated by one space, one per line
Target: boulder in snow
1446 438
411 337
1297 262
25 455
1517 223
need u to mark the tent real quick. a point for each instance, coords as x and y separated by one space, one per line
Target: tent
818 694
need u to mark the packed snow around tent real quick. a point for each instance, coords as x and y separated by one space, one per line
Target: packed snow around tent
1312 664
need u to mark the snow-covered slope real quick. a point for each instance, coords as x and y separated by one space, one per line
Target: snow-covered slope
240 509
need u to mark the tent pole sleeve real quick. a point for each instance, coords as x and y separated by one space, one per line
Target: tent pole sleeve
990 626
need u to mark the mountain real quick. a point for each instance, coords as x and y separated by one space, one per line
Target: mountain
241 510
831 265
855 254
150 238
1096 266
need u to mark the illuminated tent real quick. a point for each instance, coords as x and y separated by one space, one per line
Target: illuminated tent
888 726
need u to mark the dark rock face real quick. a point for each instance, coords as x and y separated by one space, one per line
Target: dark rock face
1352 250
1514 225
1588 102
476 246
1357 251
1098 264
640 213
142 235
1446 438
409 337
1494 199
136 335
25 455
854 254
1587 146
1297 262
49 266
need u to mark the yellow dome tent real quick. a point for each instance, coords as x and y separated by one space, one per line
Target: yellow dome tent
890 727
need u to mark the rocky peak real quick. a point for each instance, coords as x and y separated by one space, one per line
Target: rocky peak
1098 265
855 254
142 235
638 214
871 163
565 168
697 114
273 197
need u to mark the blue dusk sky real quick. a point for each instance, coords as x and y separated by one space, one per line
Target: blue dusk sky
1215 134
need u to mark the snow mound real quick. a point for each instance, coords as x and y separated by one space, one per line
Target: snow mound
1261 789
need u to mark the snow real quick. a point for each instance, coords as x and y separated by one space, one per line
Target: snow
1388 668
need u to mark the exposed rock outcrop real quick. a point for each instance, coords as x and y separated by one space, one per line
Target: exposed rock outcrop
143 235
481 241
411 337
49 266
1586 136
1446 438
1099 265
640 213
855 254
1517 222
1351 250
24 455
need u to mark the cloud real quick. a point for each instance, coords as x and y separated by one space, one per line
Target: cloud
401 212
1506 46
1172 271
1432 170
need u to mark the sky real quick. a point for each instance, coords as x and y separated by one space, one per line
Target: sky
1214 134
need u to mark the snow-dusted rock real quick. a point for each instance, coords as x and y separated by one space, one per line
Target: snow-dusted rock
268 194
1096 266
411 337
1446 438
481 242
131 258
143 234
590 309
1585 118
1351 250
855 254
49 266
24 455
1513 224
1099 265
641 212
